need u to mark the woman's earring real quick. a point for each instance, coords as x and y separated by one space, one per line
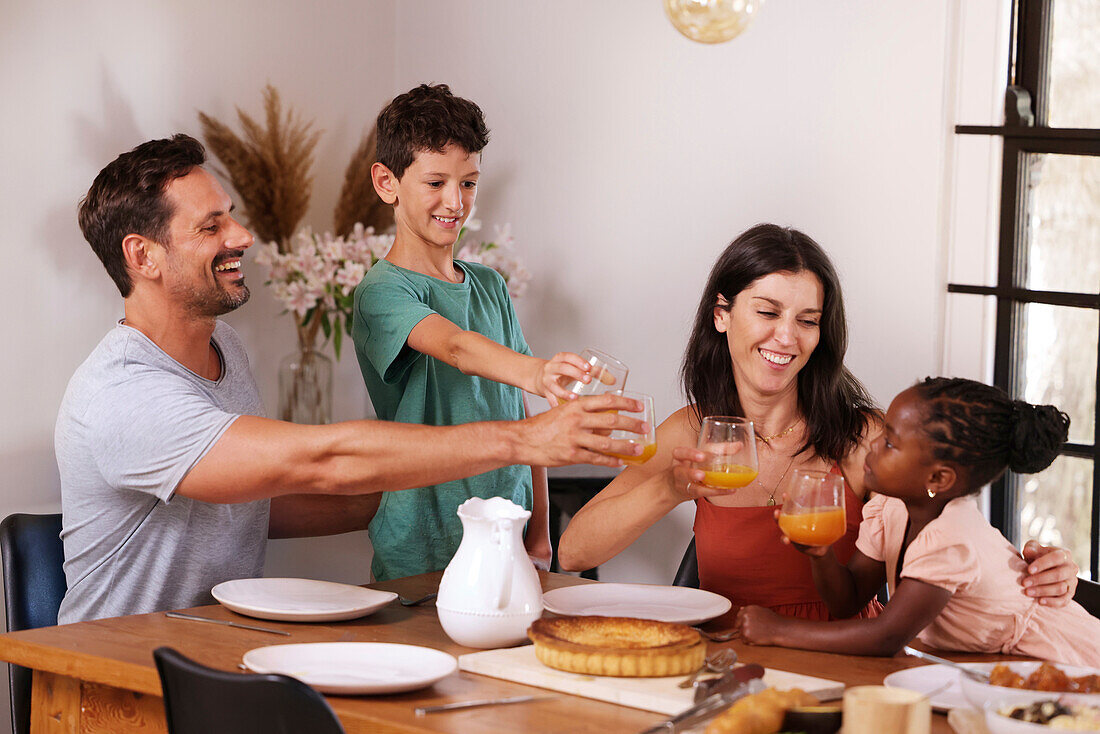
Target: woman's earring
931 495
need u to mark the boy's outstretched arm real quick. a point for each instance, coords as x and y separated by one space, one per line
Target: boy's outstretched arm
912 608
475 354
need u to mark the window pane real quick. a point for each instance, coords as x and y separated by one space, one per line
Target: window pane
1057 348
1055 507
1063 223
1075 64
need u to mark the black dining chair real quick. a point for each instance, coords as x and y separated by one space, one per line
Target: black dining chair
1088 596
688 572
200 700
34 583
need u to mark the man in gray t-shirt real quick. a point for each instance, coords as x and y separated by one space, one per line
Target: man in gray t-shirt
131 425
171 478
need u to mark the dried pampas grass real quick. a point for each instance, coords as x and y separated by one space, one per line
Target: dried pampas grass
269 167
359 201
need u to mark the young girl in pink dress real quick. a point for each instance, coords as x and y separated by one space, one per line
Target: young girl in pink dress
953 578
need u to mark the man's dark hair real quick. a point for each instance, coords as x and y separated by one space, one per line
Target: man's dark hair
127 197
428 117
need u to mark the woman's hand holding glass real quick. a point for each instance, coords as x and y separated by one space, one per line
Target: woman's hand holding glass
812 517
729 445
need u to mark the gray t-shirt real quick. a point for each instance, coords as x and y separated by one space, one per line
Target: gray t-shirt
131 426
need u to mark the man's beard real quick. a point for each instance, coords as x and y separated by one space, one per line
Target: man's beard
213 302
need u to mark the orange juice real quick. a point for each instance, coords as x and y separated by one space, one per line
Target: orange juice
817 526
732 476
648 452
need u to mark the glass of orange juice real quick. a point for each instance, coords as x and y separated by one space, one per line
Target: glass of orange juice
813 513
648 441
730 445
608 374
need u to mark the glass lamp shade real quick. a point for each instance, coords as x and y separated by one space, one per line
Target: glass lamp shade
711 21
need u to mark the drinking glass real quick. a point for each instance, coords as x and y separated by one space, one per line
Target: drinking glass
608 374
647 441
813 512
730 445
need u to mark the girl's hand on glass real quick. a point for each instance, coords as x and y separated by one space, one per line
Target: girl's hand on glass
1051 574
758 626
554 374
814 551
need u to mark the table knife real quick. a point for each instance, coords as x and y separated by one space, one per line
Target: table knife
748 683
728 682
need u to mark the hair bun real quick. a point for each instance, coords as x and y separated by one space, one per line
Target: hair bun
1038 434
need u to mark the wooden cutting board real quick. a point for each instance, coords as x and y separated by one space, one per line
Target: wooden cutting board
661 695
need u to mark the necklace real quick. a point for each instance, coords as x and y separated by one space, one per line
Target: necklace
768 439
771 497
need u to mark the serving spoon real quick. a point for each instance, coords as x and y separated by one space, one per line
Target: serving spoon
969 673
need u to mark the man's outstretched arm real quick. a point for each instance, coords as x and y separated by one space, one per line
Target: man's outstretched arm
259 457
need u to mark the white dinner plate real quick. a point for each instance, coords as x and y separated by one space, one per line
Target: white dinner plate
930 679
644 601
353 668
299 600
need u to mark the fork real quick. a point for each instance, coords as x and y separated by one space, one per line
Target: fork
406 602
725 636
718 662
974 675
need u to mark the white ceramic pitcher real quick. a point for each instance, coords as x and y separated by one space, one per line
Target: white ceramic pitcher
490 593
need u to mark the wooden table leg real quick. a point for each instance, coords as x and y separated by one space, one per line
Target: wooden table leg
55 704
64 705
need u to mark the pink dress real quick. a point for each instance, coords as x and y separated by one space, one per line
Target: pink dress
988 612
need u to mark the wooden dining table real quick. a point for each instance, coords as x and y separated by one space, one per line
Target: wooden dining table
99 676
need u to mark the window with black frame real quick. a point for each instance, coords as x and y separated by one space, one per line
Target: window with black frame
1047 286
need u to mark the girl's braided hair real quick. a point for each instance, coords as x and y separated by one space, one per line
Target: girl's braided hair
980 427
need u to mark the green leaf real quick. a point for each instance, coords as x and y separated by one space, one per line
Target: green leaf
337 338
325 325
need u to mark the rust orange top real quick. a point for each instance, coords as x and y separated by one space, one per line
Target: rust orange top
741 556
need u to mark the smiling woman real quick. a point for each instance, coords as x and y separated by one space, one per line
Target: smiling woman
768 343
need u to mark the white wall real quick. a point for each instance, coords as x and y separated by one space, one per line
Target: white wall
624 155
81 82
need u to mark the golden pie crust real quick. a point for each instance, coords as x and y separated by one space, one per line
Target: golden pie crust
621 647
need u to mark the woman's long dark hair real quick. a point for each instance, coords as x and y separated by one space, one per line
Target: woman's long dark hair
834 403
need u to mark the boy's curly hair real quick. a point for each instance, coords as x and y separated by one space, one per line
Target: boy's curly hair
428 117
981 428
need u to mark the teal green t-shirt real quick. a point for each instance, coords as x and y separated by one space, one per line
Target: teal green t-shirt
418 530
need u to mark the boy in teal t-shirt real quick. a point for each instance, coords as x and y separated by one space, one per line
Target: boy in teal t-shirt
437 339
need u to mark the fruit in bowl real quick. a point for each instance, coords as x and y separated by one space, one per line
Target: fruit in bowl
1036 717
1024 682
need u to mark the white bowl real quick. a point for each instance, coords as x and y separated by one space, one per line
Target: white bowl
998 723
979 694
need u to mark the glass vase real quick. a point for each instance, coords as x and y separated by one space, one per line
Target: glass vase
305 380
